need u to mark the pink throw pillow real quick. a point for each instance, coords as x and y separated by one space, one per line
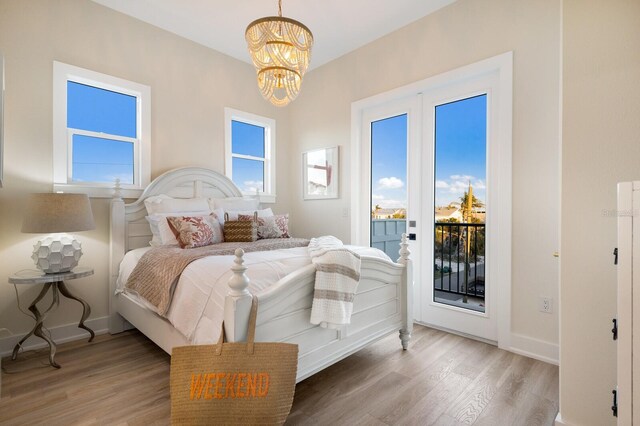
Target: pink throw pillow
270 227
196 231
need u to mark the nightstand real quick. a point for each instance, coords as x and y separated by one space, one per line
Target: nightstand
55 283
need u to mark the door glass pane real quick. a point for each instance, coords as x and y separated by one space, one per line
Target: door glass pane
99 110
388 183
101 160
248 175
460 203
247 139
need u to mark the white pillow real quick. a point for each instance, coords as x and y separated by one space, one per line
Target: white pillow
233 214
164 204
234 203
162 233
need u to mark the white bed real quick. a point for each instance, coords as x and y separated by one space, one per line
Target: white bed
283 280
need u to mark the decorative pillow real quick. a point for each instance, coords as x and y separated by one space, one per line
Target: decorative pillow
234 203
282 220
165 204
196 231
270 227
162 233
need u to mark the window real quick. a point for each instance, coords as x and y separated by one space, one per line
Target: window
101 132
250 153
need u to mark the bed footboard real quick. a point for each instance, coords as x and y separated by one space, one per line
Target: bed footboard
382 305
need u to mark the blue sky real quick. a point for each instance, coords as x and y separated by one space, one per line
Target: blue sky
247 139
389 162
460 154
98 110
460 151
99 159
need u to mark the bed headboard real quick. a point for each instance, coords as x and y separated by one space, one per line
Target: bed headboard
128 227
186 182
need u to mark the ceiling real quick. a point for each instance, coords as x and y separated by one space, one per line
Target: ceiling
338 26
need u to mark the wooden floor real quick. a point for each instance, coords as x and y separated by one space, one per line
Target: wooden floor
442 379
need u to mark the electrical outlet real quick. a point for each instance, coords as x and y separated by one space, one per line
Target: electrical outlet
545 304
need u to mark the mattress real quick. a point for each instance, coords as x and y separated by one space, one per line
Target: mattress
197 308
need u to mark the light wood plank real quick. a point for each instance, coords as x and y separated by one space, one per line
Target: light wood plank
441 380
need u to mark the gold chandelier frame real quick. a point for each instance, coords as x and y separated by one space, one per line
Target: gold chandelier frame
280 49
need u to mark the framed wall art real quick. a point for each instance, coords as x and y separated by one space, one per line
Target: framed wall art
320 173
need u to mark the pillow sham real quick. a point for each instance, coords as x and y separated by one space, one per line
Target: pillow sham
196 231
234 203
270 227
165 204
162 233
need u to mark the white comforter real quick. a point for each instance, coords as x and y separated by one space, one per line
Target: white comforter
198 302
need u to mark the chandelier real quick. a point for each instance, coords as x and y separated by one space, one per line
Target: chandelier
280 49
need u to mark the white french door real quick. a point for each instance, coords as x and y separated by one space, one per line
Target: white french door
401 154
458 288
462 258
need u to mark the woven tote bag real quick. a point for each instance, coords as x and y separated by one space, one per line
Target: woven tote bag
233 383
241 231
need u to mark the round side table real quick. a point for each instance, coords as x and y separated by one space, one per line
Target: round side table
55 282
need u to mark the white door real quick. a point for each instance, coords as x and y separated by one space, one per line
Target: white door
389 159
464 203
458 140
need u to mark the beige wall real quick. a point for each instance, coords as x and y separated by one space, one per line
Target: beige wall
187 122
465 32
601 103
600 147
190 86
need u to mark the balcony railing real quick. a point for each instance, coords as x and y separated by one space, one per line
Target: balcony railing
459 253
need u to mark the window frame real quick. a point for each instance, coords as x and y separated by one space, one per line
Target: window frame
63 135
269 126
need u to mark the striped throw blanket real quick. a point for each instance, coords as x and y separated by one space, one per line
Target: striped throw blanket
337 278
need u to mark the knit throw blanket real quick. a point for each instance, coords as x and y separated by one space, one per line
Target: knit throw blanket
337 278
155 276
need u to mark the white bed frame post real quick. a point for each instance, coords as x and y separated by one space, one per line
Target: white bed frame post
237 304
407 299
117 324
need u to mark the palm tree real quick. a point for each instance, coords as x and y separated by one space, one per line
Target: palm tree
469 201
466 215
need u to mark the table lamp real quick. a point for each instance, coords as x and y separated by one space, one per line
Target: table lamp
56 214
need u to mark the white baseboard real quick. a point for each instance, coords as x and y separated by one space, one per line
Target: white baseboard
534 348
519 344
560 422
457 333
60 334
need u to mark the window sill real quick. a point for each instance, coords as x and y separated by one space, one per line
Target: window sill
267 198
97 191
